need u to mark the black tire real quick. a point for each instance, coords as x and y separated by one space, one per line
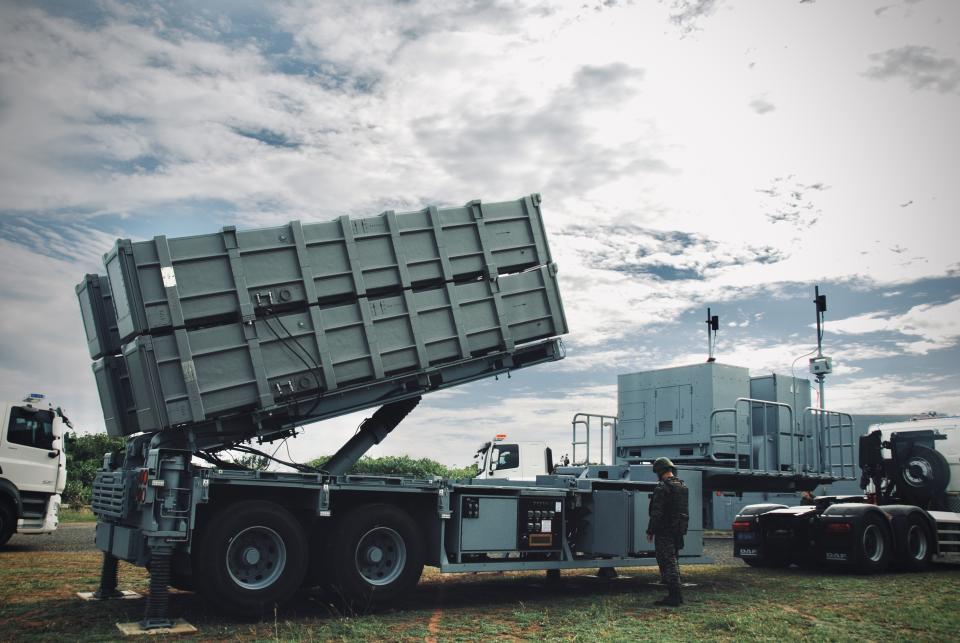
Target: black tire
183 582
766 561
922 475
916 550
375 555
251 556
774 553
8 522
777 561
873 546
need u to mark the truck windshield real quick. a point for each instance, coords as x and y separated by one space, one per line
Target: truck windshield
31 428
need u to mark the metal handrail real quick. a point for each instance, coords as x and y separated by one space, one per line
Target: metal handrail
734 435
763 405
825 447
585 420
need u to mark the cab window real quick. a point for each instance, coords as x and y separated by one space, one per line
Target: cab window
509 456
31 428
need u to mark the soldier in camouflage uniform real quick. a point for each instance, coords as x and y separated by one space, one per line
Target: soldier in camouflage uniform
668 525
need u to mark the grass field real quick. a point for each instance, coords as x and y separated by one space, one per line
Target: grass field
37 602
84 514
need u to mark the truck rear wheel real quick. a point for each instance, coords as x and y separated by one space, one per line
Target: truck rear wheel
769 560
917 546
252 555
376 555
8 522
873 545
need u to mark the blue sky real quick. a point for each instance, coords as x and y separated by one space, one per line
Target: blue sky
690 153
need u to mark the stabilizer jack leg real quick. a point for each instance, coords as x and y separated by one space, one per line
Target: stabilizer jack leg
158 600
108 579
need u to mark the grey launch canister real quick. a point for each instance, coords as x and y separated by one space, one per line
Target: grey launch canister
191 281
319 319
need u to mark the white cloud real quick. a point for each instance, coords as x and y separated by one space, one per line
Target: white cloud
44 346
451 434
937 326
894 394
663 190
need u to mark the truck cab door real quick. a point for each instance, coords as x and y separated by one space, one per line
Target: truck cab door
61 458
28 455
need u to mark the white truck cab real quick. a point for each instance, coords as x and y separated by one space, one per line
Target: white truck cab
33 469
513 460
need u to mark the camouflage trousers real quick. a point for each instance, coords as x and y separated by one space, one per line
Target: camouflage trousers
666 548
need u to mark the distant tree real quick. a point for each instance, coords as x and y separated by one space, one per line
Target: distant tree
392 465
251 461
84 458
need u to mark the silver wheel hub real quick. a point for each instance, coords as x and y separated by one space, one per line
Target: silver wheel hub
256 557
873 543
917 472
380 556
916 543
251 556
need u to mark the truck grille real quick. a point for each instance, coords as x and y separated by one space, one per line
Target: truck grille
109 494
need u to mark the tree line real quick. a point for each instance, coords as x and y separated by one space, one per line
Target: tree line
85 457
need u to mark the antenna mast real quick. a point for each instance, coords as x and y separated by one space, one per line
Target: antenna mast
713 324
821 365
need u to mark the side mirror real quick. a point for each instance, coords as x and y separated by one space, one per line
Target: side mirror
494 460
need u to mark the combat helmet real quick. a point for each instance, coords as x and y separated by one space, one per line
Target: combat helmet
663 464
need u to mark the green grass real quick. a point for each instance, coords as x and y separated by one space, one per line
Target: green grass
37 603
83 514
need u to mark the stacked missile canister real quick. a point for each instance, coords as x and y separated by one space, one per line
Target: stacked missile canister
313 320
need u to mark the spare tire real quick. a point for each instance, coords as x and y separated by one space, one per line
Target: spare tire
922 475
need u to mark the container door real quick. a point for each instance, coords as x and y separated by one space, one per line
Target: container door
668 410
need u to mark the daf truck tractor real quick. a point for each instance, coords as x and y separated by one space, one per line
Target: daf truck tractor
33 468
225 341
907 517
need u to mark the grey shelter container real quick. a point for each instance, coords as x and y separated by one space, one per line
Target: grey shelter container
194 375
670 412
232 275
99 318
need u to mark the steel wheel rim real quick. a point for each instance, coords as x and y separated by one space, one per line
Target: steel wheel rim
916 542
380 556
256 557
923 467
872 543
